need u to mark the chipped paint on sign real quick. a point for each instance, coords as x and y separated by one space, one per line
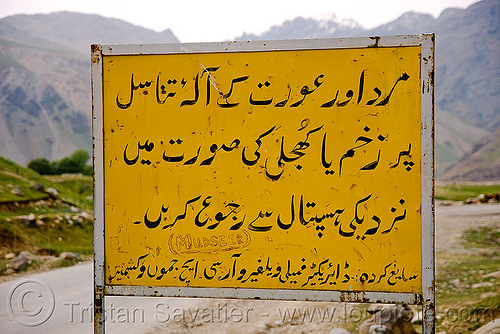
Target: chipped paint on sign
270 170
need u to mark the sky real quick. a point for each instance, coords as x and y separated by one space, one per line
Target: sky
219 20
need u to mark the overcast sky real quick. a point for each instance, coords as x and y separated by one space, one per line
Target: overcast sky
211 21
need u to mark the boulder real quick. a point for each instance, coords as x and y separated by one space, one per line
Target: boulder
40 187
9 271
495 274
53 192
87 216
21 261
482 285
69 255
17 191
10 256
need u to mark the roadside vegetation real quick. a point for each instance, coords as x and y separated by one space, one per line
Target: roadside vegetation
463 192
49 215
75 163
44 215
468 284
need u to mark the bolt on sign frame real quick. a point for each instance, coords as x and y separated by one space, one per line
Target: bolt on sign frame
289 170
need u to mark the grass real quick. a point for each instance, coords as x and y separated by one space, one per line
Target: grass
61 224
79 184
74 189
461 192
55 236
467 297
482 237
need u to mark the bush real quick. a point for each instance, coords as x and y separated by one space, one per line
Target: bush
75 163
42 166
88 170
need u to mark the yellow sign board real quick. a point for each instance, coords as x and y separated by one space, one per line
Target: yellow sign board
294 169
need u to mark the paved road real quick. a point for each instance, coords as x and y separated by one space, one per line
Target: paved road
60 301
26 305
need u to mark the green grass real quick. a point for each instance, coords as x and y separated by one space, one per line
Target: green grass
457 192
63 229
55 236
462 308
488 237
79 184
74 189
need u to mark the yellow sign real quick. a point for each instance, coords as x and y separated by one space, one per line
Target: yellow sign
271 170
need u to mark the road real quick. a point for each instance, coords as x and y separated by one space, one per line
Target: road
60 301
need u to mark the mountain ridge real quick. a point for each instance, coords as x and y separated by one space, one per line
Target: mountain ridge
45 58
45 100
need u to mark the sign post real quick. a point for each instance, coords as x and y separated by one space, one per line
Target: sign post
293 170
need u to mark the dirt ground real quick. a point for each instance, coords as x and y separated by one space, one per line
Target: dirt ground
452 220
205 316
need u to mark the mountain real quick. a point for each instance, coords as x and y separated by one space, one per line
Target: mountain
45 99
309 28
467 86
77 32
454 139
482 163
45 102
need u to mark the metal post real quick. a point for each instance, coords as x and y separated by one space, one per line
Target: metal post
97 137
428 231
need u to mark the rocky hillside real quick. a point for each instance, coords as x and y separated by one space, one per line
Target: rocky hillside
45 100
482 163
467 51
467 69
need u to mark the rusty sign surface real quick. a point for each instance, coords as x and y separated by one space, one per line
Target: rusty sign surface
265 168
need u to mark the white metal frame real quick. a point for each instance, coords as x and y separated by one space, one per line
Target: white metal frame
426 299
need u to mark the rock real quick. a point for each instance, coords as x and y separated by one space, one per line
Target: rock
39 222
21 261
490 328
53 192
69 255
31 217
495 274
482 285
488 295
9 271
87 216
375 329
340 331
389 319
40 187
17 191
9 256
